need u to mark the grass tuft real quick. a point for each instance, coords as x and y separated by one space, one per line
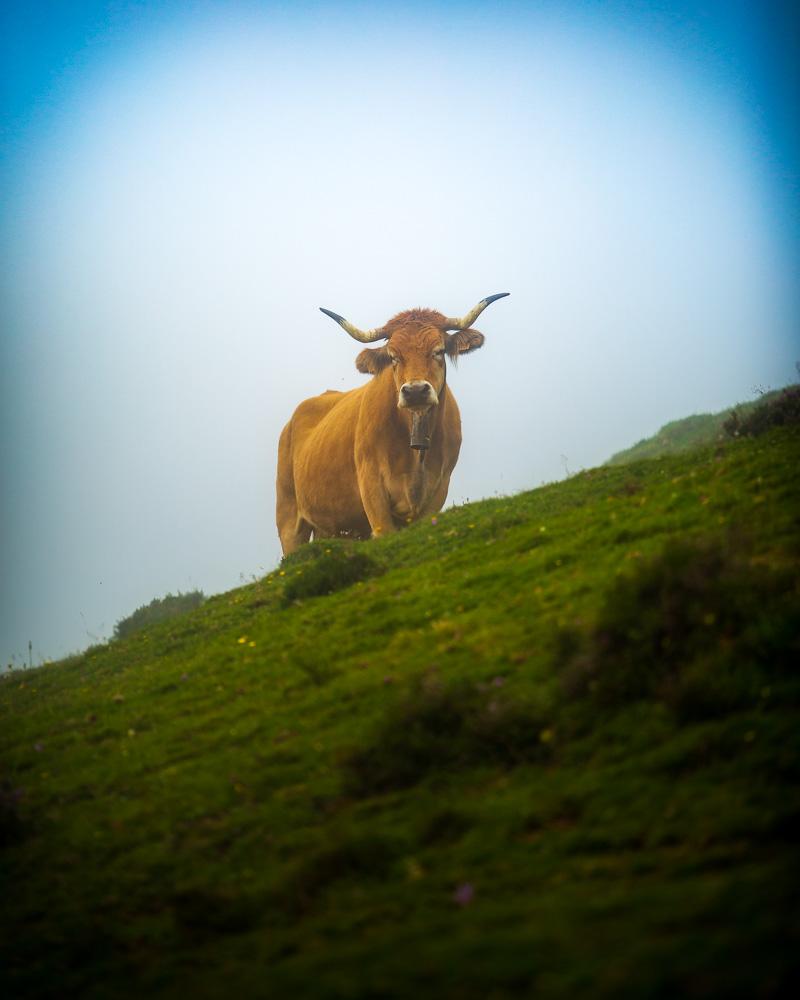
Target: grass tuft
325 567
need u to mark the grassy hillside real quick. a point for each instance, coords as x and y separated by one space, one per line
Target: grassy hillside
545 744
688 433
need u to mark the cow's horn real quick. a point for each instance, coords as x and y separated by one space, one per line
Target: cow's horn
362 336
473 314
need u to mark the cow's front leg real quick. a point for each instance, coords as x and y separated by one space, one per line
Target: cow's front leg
377 506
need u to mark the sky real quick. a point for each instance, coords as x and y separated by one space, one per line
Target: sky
184 184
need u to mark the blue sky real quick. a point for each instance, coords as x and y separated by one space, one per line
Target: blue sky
185 183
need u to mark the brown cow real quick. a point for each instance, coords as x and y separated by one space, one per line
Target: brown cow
368 461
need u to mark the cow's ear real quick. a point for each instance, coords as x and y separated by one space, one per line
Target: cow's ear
462 342
373 360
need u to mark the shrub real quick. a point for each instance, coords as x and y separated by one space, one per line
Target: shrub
160 609
439 726
779 411
327 566
701 627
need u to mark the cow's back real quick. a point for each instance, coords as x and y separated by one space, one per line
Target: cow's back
310 412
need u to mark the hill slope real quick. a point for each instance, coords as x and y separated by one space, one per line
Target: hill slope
544 743
689 432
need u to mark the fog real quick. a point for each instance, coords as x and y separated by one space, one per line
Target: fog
184 184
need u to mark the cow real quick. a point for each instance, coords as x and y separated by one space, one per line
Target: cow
369 461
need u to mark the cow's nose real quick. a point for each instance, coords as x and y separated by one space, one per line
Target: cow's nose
417 391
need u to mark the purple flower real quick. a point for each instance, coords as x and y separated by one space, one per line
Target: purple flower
464 894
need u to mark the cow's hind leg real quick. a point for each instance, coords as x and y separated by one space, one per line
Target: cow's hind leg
293 529
294 534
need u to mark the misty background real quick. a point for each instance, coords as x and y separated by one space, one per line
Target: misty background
185 183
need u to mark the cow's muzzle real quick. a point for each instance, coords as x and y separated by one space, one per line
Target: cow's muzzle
417 395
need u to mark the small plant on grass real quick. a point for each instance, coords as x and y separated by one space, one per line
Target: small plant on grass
325 567
160 609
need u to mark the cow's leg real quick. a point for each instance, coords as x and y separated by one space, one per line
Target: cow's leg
377 507
436 500
293 530
294 535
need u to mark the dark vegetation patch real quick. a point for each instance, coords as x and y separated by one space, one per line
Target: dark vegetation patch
703 626
325 567
561 812
313 659
359 856
445 826
628 535
630 488
160 609
202 914
12 826
779 410
443 726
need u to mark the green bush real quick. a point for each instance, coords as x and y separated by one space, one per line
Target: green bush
780 410
438 726
701 626
325 567
160 609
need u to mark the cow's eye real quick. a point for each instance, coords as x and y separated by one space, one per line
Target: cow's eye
395 361
439 353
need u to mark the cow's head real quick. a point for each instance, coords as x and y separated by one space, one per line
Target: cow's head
417 345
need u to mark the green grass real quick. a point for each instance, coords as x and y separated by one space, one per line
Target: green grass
546 744
689 432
